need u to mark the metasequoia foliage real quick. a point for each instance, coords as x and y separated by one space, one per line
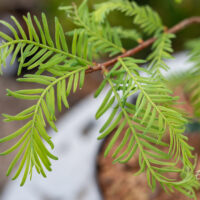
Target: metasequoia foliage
61 69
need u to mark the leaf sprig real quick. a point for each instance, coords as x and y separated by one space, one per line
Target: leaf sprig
144 16
192 85
145 124
162 50
101 36
32 149
39 50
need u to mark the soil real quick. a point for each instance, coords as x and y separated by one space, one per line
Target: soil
117 181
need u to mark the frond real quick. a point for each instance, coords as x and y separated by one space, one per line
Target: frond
37 48
162 50
145 124
102 10
144 16
193 83
194 49
31 148
100 36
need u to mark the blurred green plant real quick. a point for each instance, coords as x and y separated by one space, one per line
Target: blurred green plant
178 1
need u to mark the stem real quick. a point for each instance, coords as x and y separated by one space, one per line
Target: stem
178 27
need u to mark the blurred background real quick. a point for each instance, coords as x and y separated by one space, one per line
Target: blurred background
170 12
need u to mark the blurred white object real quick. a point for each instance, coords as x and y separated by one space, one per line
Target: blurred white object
73 176
179 64
9 70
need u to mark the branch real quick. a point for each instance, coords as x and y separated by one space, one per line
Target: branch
183 24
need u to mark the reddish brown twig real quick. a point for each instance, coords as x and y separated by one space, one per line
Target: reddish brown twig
183 24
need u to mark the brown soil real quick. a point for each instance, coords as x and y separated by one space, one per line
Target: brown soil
117 181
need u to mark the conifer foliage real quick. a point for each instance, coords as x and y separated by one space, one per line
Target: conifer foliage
61 69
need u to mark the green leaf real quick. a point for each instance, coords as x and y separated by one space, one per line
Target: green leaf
26 154
22 96
11 29
99 90
14 147
41 30
17 133
123 143
82 79
59 97
16 159
63 94
105 108
115 137
46 30
74 43
76 79
111 127
70 83
109 120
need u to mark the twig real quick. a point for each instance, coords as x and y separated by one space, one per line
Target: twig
183 24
